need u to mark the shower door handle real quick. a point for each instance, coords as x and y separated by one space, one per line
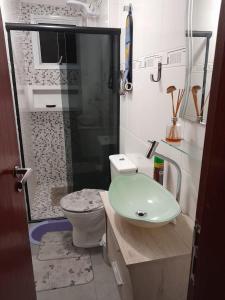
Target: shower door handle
22 174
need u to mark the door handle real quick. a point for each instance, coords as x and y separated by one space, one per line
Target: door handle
22 174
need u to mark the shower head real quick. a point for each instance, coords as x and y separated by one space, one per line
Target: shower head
88 9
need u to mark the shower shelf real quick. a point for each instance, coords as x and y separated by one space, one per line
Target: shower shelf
187 148
55 95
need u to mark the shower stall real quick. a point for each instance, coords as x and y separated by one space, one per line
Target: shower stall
67 119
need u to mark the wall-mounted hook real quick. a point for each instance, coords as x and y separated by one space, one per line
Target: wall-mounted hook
159 73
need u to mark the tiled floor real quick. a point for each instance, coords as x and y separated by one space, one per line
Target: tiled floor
103 287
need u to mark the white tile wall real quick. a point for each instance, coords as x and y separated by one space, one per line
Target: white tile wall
158 26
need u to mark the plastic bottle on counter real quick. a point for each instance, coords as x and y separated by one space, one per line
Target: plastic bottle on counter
158 169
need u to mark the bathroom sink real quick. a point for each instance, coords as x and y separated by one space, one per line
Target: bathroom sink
142 201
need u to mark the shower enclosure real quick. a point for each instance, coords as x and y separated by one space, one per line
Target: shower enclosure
66 91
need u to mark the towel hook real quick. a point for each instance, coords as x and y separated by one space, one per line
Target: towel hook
159 73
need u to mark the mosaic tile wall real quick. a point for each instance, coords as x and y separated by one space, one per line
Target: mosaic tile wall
37 76
49 147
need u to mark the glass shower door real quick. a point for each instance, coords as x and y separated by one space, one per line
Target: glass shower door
67 107
91 116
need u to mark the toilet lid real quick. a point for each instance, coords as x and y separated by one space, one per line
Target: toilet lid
82 201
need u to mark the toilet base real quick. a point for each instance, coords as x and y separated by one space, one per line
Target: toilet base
88 228
81 241
91 236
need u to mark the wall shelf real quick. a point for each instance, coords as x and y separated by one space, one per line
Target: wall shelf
188 149
40 96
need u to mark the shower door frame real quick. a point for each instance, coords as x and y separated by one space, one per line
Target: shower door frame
53 28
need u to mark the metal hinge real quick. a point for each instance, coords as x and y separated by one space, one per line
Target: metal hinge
197 231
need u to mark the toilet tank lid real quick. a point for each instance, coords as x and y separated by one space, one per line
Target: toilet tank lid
122 163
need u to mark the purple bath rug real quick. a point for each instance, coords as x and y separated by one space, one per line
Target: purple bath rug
38 230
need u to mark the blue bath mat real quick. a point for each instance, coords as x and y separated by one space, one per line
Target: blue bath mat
37 231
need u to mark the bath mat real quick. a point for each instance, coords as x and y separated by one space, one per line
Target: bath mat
59 264
37 231
56 245
59 273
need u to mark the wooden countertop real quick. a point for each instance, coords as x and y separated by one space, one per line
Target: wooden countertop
139 245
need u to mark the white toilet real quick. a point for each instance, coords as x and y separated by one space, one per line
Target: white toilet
84 209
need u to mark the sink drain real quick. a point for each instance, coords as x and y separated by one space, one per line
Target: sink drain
141 213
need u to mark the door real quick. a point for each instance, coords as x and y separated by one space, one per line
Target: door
208 265
16 274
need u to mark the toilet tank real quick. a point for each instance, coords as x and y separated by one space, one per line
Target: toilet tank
120 164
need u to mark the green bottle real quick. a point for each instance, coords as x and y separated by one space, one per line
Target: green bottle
158 169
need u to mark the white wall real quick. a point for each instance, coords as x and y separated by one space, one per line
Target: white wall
158 26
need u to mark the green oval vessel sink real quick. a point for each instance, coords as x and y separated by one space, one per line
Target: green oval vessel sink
142 201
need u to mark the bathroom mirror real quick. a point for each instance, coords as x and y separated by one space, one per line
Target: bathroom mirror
201 33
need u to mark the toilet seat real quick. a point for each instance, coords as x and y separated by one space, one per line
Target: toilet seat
86 200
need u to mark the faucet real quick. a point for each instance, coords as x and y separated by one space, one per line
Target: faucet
152 152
